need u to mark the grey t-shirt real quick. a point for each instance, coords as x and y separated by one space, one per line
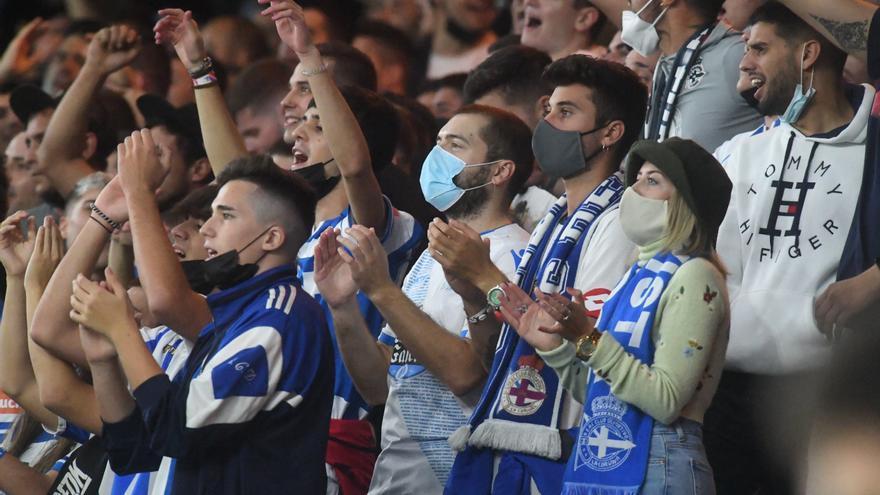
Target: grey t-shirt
708 109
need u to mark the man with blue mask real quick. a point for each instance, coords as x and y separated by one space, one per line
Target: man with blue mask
425 367
694 90
795 195
596 112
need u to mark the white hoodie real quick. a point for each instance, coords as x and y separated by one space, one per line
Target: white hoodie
790 212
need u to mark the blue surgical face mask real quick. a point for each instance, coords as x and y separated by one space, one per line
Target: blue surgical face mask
801 98
438 172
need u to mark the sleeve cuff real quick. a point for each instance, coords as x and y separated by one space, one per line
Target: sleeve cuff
151 392
560 357
122 433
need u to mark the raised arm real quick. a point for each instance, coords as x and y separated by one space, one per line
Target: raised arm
365 359
61 390
223 143
449 357
346 141
16 374
52 328
61 152
845 22
169 297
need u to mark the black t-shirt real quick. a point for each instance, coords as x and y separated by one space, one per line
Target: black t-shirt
863 245
83 471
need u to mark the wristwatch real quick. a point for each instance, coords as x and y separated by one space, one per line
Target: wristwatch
493 297
586 345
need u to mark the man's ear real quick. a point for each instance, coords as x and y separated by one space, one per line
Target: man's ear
613 133
200 171
540 108
503 173
91 146
586 18
811 51
275 238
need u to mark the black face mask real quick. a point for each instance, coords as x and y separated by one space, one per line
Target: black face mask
317 178
222 271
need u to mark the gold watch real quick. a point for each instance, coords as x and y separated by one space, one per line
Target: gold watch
586 345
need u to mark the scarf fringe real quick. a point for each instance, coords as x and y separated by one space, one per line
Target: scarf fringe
459 438
497 434
588 489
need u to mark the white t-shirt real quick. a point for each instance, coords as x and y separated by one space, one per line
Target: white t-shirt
421 412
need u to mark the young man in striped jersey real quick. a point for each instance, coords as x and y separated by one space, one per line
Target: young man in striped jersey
250 408
342 142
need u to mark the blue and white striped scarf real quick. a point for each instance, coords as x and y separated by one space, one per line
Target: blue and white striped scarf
522 400
611 453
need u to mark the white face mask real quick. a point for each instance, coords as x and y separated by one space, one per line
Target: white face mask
641 35
643 219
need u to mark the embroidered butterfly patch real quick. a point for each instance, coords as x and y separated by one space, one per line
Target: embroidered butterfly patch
709 295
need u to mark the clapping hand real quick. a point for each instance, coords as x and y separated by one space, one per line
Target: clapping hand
102 307
459 249
366 258
47 254
332 274
139 166
15 246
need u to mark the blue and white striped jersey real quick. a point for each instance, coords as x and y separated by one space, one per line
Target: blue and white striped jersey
401 238
250 408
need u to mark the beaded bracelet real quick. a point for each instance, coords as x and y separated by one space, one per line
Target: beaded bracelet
206 81
103 216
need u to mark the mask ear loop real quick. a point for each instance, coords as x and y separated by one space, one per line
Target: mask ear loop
659 17
812 72
480 165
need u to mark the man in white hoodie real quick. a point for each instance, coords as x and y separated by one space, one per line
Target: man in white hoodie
795 190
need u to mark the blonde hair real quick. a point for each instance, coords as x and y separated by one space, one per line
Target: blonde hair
685 235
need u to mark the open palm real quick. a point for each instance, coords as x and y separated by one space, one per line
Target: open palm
15 246
178 29
290 22
332 274
529 320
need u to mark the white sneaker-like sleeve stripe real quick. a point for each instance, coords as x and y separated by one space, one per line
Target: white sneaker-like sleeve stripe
281 293
290 300
271 299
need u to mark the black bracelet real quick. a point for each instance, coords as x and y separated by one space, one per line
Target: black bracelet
101 224
202 70
97 211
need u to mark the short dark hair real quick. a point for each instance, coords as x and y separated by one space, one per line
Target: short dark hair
392 39
617 93
293 192
707 9
196 204
260 85
378 121
351 67
515 71
793 30
507 138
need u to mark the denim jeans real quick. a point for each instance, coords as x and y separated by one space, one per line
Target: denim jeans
677 464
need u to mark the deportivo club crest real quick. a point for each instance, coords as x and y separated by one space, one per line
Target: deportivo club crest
524 390
605 441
